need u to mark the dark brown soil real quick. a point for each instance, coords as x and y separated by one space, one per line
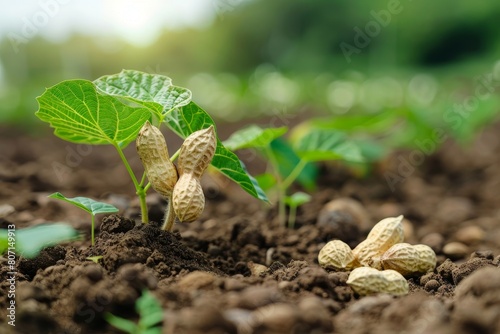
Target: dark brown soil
236 270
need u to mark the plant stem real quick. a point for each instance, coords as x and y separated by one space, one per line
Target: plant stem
139 190
279 182
175 155
92 228
294 174
169 219
292 216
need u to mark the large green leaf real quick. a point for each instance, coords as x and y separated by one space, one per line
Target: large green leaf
30 241
87 204
325 144
152 91
191 118
149 310
253 136
79 113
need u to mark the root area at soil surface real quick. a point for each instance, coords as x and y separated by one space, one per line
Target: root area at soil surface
237 269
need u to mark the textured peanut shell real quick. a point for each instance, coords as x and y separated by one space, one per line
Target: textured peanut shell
367 281
409 260
337 255
188 200
384 235
153 151
197 152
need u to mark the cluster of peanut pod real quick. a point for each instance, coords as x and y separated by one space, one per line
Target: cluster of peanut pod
179 185
380 263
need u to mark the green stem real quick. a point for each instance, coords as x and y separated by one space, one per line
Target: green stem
169 219
175 155
92 229
279 182
294 174
139 190
292 216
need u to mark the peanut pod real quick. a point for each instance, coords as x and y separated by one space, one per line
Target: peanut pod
384 235
195 155
153 151
408 259
337 255
367 281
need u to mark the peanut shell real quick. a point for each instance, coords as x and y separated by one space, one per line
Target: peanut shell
409 260
367 281
337 255
188 199
197 152
384 235
153 151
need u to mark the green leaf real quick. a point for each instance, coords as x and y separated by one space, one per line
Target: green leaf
191 118
253 136
94 259
266 181
152 91
121 323
287 159
87 204
79 113
30 241
149 309
297 199
325 144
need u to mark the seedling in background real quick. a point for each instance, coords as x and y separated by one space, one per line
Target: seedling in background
28 242
294 201
112 109
289 162
150 316
89 205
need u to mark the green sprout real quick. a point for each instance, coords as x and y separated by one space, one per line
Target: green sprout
291 161
89 205
150 313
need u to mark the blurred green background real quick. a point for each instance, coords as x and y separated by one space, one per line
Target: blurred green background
253 58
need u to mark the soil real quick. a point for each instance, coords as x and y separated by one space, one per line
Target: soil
237 270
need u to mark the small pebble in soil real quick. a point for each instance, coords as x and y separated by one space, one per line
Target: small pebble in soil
434 241
470 235
455 250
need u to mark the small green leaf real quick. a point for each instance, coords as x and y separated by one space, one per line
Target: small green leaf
253 136
149 309
121 323
30 241
324 145
152 91
87 204
94 259
297 199
79 113
191 118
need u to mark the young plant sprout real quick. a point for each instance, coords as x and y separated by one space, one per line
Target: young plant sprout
150 316
113 109
89 205
312 146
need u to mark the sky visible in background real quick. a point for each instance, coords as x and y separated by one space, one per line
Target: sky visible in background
137 22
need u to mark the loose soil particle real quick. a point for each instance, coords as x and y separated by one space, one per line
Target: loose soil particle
236 270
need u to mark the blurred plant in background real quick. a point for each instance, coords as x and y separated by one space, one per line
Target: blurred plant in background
247 59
